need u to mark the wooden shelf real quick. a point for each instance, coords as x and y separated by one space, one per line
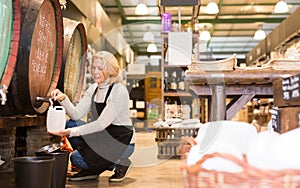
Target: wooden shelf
177 94
175 66
170 96
22 121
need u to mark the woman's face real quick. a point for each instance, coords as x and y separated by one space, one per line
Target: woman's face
97 71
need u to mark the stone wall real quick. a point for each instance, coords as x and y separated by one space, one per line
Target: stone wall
22 141
7 147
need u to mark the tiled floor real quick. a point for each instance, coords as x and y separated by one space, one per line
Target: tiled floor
147 170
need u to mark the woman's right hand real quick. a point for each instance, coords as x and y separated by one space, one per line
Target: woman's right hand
57 95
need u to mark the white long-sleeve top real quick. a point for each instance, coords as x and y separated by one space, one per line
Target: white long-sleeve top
115 112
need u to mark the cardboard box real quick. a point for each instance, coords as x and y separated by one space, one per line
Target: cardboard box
180 48
136 69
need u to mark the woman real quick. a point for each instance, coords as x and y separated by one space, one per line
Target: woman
100 143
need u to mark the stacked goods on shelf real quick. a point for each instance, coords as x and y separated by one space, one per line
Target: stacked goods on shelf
153 97
286 113
169 134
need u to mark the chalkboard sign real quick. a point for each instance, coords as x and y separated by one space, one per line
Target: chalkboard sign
291 88
275 119
179 2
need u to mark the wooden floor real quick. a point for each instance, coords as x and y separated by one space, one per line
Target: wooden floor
147 171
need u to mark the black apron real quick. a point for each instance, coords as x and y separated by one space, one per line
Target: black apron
102 149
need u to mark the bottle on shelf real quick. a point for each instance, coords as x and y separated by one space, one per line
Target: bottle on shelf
173 85
185 110
166 81
180 86
195 109
166 111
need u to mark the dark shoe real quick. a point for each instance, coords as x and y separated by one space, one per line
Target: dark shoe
120 173
84 175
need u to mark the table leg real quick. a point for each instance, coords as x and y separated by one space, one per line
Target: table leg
218 103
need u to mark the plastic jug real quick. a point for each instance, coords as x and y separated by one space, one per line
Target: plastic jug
56 118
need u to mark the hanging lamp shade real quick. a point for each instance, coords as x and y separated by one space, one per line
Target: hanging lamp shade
148 36
205 35
151 48
259 35
141 9
281 7
212 8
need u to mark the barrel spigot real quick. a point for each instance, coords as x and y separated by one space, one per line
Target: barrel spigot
63 4
45 99
3 91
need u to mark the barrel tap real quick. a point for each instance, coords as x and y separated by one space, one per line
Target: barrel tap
3 91
45 99
63 4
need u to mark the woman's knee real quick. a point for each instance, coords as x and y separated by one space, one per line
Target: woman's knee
72 123
77 160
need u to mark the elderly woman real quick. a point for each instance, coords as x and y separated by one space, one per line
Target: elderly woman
100 143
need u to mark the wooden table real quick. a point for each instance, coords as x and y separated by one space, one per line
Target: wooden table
241 85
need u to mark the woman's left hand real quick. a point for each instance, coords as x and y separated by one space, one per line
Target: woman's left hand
65 132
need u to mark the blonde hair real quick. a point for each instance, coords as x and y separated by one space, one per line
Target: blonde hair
110 65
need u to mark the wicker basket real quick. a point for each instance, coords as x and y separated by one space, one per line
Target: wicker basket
252 68
220 65
195 176
262 67
284 64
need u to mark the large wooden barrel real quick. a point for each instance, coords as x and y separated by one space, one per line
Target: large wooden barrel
39 56
74 59
10 12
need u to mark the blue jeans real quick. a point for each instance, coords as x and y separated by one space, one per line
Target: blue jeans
77 159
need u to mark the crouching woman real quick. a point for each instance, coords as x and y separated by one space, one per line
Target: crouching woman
99 143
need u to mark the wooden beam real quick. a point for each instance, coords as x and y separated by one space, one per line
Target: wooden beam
238 105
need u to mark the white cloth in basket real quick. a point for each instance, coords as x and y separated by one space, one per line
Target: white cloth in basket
273 151
229 137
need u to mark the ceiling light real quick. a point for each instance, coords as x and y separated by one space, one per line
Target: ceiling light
205 35
148 36
259 34
212 8
141 9
281 7
151 48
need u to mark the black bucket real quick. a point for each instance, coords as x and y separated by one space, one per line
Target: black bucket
60 167
33 172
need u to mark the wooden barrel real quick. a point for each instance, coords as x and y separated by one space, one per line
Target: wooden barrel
10 12
74 59
39 56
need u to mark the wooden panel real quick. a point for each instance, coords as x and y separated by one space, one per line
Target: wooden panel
286 118
22 121
293 24
153 86
39 56
274 35
238 105
205 90
10 35
282 32
46 51
279 99
263 76
74 59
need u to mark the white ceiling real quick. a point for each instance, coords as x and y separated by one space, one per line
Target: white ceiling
232 29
